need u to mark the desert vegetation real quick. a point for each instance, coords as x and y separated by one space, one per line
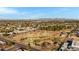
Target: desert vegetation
38 35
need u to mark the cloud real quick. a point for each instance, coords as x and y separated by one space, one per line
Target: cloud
8 11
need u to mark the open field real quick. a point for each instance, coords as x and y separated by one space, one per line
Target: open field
36 35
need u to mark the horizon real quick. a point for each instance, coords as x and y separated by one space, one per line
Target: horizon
41 19
13 13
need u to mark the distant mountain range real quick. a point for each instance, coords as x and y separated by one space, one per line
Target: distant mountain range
42 19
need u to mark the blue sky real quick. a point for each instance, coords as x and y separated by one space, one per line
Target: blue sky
39 12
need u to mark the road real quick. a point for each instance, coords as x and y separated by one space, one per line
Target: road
16 46
63 44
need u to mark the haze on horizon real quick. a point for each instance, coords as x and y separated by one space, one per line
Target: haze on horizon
39 12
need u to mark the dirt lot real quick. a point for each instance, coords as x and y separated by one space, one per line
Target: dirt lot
38 37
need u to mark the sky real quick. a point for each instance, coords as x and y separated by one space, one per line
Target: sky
39 12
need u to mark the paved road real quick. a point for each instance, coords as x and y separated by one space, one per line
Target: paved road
15 47
64 44
73 48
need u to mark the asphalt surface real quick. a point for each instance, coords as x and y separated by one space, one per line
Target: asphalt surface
64 46
16 46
